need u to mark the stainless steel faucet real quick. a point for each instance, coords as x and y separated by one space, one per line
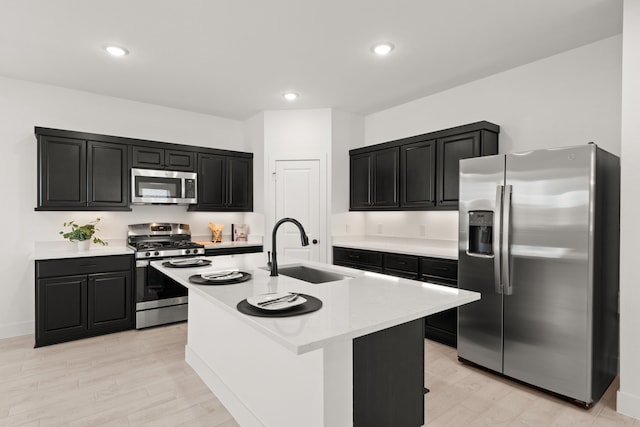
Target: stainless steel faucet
303 238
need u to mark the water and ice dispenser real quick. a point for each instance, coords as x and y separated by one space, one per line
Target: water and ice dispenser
480 233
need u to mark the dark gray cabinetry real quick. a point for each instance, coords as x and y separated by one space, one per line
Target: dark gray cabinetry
77 174
83 297
161 158
87 171
451 150
426 176
236 250
225 183
440 327
388 377
358 258
443 326
406 266
418 175
374 180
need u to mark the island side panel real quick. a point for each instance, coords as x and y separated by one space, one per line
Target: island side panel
259 381
388 377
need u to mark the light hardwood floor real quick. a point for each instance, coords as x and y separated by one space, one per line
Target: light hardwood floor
141 378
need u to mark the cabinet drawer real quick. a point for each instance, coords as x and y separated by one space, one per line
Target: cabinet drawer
406 263
83 265
447 269
357 257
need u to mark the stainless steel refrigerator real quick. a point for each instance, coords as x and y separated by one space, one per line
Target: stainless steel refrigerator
539 239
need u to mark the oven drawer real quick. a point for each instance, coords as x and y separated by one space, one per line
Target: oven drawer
83 265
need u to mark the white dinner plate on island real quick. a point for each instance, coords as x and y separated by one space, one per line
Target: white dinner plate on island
276 301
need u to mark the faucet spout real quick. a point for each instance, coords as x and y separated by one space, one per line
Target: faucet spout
304 239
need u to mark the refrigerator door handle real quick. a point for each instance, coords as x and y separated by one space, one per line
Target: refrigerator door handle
497 218
506 241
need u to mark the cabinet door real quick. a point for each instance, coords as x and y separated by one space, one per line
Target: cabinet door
418 174
385 178
61 309
450 151
147 157
212 182
360 177
110 305
107 174
239 184
179 160
62 170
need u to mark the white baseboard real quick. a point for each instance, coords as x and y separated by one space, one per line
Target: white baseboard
11 330
628 404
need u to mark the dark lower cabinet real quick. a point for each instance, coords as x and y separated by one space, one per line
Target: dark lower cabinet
82 297
358 258
388 377
441 327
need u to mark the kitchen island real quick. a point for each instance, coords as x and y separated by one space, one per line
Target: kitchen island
346 364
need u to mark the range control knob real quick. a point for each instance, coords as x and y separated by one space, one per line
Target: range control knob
195 251
188 251
147 254
156 253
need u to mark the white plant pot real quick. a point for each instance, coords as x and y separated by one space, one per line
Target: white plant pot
83 245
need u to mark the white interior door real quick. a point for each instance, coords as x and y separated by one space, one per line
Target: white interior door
298 197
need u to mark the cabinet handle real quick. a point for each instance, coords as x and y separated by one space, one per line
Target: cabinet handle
354 256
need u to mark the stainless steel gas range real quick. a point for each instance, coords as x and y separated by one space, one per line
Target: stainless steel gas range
159 299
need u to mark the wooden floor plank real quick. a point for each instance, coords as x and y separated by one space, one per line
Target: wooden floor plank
140 378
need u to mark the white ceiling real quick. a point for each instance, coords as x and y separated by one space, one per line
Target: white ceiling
235 58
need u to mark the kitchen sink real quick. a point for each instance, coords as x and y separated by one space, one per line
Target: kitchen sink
310 274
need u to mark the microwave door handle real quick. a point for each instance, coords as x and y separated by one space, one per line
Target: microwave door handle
497 254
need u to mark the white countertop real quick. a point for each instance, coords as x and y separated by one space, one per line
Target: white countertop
447 249
366 303
67 249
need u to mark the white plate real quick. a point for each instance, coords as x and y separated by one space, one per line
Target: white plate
221 275
256 299
184 261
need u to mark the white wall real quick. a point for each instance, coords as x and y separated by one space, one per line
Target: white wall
567 99
629 394
297 135
24 105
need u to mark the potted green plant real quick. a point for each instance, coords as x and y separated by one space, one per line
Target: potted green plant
82 234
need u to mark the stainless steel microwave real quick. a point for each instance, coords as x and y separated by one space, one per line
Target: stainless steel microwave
163 186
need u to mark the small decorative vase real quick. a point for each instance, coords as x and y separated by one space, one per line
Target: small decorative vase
83 245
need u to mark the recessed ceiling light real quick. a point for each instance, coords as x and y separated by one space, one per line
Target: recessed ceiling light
290 96
382 48
116 50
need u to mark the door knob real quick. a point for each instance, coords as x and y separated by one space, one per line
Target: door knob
314 241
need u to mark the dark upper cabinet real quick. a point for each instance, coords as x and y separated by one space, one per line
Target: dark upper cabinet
76 174
451 150
161 158
426 177
225 183
374 180
86 171
418 174
62 173
107 175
